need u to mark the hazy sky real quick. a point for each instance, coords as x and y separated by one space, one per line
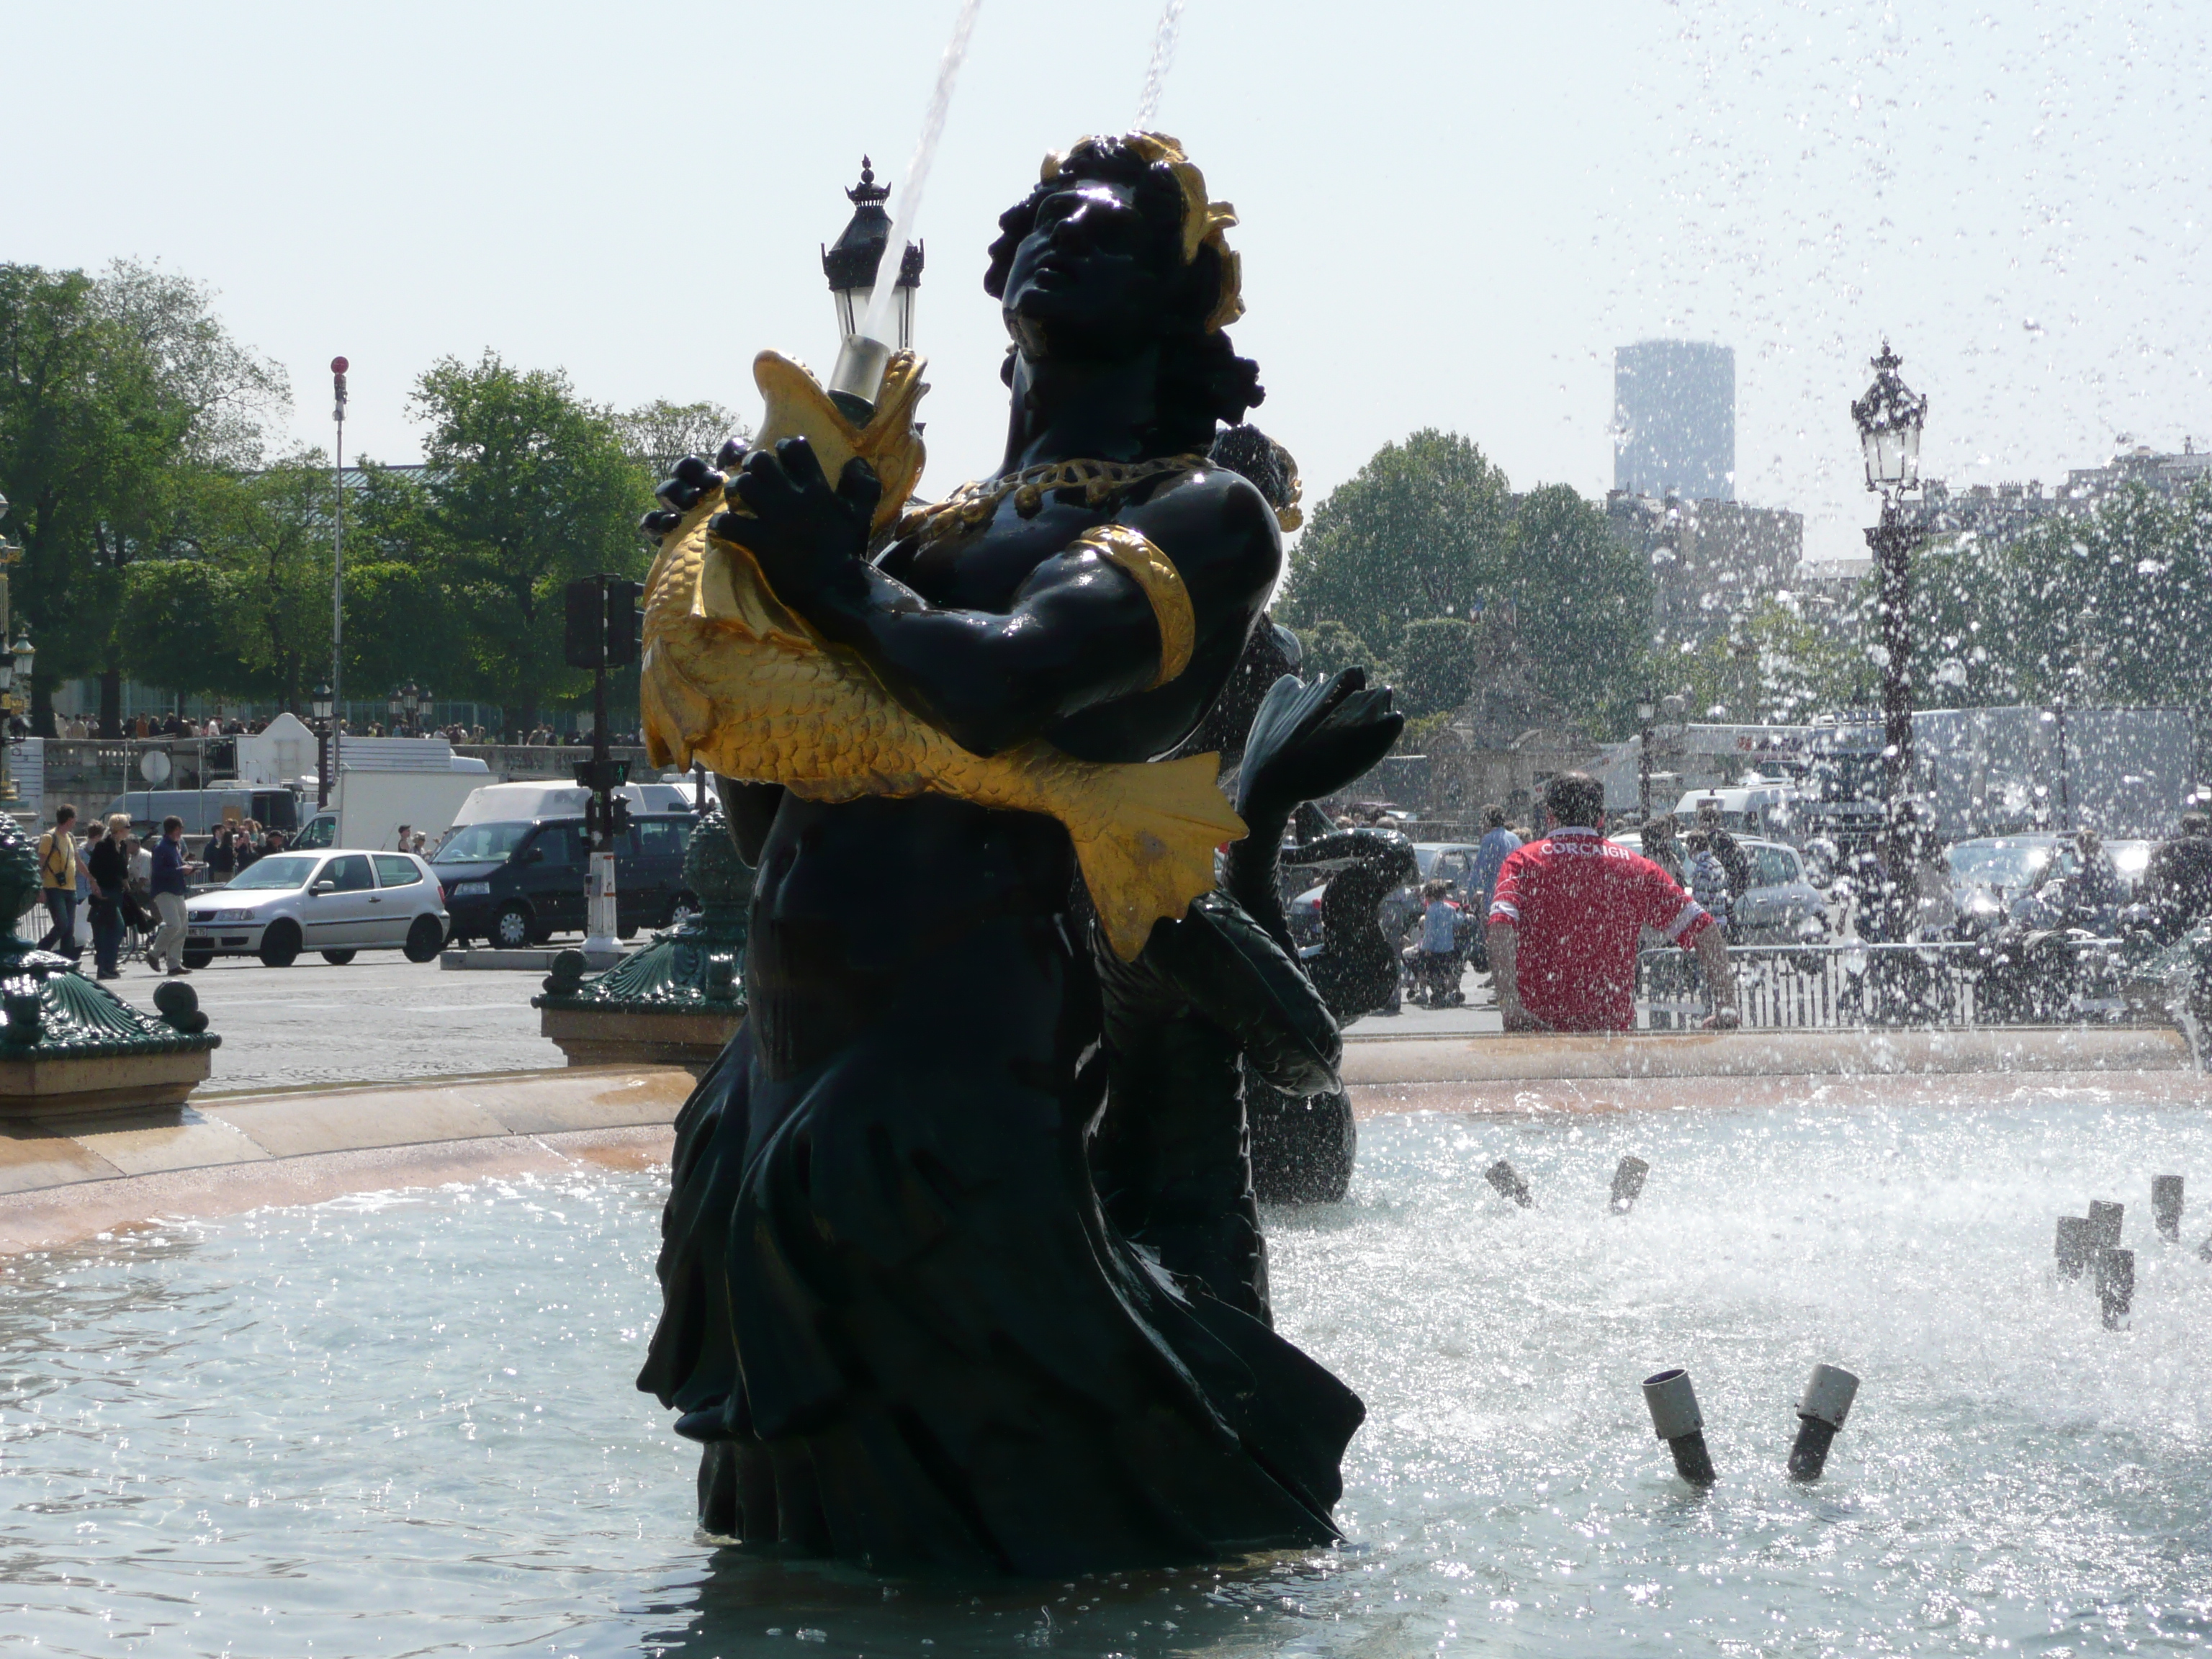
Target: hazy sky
1452 212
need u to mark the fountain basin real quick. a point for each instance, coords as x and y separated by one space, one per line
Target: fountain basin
403 1423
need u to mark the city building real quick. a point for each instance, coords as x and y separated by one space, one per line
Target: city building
1674 420
1706 556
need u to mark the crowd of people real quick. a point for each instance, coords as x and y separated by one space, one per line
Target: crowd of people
120 885
147 727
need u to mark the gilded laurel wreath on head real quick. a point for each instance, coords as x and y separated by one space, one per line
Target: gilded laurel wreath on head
1204 221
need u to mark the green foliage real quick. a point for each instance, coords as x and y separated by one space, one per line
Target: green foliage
2113 608
1421 531
528 486
657 434
1330 647
1428 534
1436 666
1775 663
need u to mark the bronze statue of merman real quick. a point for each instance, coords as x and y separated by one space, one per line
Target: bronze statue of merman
896 1314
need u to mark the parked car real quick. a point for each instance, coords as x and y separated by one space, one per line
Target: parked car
338 903
517 882
1781 906
1991 875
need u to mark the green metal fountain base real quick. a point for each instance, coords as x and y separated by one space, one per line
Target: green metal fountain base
69 1046
678 1001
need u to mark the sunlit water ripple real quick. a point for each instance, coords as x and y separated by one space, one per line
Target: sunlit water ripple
404 1425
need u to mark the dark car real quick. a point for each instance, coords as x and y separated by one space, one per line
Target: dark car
520 882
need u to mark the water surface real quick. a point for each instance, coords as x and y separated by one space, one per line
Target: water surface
405 1424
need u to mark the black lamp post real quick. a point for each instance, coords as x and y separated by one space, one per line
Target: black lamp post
1889 418
1645 712
321 709
851 264
410 705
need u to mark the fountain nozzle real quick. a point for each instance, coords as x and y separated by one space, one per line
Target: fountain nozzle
1628 1183
2116 1285
1820 1413
2165 1206
858 378
1677 1420
2074 1248
1507 1179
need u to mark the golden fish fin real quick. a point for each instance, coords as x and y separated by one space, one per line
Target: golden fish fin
733 594
1144 836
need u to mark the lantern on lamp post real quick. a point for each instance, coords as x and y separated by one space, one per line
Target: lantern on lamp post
1889 418
853 264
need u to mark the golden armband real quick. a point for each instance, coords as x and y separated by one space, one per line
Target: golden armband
1133 552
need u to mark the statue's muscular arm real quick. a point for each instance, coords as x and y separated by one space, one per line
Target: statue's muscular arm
1080 634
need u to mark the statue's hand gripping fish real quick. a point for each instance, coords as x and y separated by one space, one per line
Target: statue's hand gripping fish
734 679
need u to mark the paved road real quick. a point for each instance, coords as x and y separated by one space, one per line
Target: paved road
382 1019
379 1018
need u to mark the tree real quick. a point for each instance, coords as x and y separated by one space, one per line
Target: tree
657 434
1581 604
527 486
1436 666
115 394
1428 532
1330 647
1419 531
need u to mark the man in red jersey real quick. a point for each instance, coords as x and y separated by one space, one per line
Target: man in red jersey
1564 919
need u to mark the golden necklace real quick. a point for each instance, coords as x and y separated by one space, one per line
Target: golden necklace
972 503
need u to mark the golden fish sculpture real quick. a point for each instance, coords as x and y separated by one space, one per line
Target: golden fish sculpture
734 679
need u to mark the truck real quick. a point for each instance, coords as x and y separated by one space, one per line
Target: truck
368 806
204 810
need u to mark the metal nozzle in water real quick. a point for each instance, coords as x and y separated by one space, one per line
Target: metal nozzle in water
1628 1183
1826 1403
2074 1248
858 380
1507 1179
1675 1415
2165 1206
2105 1223
2116 1286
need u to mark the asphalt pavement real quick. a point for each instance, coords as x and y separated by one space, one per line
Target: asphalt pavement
382 1019
379 1018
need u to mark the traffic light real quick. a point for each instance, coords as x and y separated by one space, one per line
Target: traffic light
625 623
586 642
606 629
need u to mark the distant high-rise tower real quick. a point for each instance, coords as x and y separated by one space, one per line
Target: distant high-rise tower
1674 420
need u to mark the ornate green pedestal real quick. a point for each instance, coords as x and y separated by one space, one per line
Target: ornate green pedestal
680 999
69 1046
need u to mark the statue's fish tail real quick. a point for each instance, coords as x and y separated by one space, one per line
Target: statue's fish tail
1144 836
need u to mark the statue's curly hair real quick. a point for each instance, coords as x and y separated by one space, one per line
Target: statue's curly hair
1203 382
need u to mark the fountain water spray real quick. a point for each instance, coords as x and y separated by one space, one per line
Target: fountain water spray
2116 1286
1507 1179
858 377
2074 1248
1628 1182
1156 72
1821 1411
1675 1416
2165 1206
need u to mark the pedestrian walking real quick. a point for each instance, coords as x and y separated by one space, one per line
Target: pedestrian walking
111 886
58 875
171 867
1566 916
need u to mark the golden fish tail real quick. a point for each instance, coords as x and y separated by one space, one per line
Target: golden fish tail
1144 836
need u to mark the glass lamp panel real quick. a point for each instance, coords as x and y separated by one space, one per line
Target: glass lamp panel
905 298
1908 454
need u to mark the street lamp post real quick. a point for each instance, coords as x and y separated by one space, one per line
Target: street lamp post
1645 712
1889 418
320 707
851 264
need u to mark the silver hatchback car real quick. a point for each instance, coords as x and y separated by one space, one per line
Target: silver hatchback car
1780 907
338 903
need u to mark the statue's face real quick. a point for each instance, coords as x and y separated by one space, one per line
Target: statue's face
1086 281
